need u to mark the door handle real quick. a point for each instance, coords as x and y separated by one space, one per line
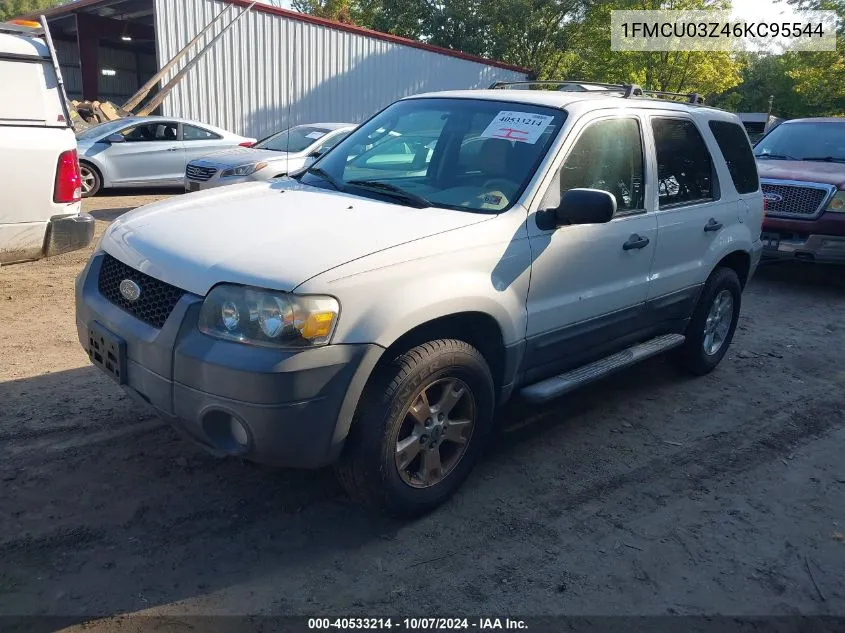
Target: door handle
635 241
712 225
172 149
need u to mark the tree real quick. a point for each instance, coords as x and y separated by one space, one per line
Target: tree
820 77
706 73
13 8
338 10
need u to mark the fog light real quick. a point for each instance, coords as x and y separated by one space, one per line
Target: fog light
226 432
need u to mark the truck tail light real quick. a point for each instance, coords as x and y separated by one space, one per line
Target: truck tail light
68 178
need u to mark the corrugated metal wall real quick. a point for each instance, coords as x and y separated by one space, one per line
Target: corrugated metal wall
270 71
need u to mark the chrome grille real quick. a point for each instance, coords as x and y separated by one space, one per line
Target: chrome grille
794 200
195 172
154 304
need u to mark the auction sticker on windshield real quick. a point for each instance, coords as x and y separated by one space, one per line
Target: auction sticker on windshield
316 134
524 127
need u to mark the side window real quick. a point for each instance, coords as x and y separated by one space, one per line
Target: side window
151 132
608 156
684 168
735 147
193 133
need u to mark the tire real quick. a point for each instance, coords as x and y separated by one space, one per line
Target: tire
699 354
92 181
393 410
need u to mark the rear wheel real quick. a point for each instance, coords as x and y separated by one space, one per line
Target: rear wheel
420 428
713 323
92 182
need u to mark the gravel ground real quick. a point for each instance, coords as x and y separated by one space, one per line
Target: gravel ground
649 493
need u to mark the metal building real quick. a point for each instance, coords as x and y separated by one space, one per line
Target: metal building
273 68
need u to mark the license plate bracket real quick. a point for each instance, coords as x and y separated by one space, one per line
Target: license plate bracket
107 351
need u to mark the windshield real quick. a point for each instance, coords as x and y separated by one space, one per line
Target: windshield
468 154
811 140
294 140
102 130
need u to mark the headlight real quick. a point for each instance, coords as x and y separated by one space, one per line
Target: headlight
268 317
837 203
243 170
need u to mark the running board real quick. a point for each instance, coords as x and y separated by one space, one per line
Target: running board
580 376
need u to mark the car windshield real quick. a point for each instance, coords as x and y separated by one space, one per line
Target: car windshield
295 139
469 154
101 130
809 140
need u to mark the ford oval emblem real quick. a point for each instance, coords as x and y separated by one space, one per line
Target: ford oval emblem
772 197
130 290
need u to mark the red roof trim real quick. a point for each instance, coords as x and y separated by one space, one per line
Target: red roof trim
304 17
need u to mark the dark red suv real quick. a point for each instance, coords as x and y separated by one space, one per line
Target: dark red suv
802 172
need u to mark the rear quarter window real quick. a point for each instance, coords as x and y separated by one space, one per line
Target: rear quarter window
37 98
736 148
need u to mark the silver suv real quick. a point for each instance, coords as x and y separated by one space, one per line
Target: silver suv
375 309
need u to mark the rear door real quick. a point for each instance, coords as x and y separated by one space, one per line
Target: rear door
693 211
152 154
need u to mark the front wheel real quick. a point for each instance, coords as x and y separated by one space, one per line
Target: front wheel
92 182
420 428
713 323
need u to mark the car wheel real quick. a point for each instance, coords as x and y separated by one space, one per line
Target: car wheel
713 323
420 428
92 182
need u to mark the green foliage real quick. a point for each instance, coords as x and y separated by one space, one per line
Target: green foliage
13 8
571 39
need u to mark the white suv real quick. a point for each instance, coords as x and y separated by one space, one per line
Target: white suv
375 312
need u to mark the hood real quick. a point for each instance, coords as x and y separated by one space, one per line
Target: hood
271 235
804 170
240 155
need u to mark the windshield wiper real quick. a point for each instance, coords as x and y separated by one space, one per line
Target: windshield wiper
322 173
391 190
777 156
826 159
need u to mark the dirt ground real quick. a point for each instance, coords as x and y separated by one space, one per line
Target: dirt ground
648 493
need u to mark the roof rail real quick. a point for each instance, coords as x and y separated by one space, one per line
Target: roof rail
628 90
22 27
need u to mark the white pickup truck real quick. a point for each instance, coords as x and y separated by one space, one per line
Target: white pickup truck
40 202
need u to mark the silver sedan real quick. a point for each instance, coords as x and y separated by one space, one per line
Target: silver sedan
146 151
277 155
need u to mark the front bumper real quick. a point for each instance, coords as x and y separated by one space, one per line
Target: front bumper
68 233
815 248
294 408
821 240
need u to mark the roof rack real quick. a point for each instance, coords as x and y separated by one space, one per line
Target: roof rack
628 90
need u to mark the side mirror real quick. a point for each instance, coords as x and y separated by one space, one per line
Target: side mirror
115 138
579 206
316 153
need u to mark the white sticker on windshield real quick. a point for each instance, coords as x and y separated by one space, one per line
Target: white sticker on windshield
524 127
319 134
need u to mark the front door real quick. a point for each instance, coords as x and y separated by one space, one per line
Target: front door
152 154
589 283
